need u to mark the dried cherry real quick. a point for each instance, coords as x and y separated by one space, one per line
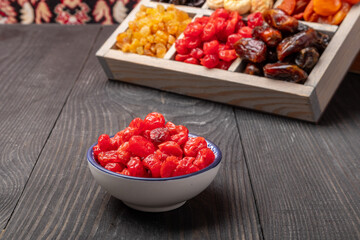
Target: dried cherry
171 148
114 167
154 120
136 168
153 148
140 146
193 146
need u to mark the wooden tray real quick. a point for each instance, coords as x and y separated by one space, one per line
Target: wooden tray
305 102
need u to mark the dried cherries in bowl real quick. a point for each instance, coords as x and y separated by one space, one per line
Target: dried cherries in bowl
154 166
153 148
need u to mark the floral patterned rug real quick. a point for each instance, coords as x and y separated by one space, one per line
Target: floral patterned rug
65 11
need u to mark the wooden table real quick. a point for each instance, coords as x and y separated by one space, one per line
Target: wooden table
280 178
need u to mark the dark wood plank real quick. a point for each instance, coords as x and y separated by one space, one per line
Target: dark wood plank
38 67
62 200
355 66
306 177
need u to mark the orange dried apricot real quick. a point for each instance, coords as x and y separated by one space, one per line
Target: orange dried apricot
326 7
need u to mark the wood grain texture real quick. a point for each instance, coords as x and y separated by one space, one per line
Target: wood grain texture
62 201
306 177
34 87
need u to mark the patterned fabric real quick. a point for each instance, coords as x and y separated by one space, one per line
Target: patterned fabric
65 11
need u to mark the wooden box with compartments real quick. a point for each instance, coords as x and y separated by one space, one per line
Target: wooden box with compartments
306 101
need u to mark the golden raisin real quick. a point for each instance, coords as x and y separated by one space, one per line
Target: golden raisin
153 31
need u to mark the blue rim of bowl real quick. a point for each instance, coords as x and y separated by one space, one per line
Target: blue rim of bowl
211 145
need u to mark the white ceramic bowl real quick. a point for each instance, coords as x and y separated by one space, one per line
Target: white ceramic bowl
155 194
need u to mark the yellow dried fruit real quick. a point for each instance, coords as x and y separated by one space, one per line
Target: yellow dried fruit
153 31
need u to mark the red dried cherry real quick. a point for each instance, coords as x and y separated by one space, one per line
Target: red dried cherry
220 13
168 167
159 135
181 46
183 166
192 60
192 42
194 145
193 29
153 163
96 151
181 57
123 153
233 38
231 24
140 146
239 24
154 120
224 65
125 135
210 60
245 32
114 167
227 55
211 47
172 127
181 135
125 171
104 142
197 53
204 158
136 167
255 19
209 32
107 157
138 124
171 148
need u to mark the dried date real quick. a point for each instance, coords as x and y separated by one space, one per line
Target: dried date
253 69
302 27
322 41
267 34
307 58
278 19
284 71
271 55
295 43
251 49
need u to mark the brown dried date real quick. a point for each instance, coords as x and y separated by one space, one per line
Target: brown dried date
267 34
307 58
271 55
278 19
302 27
251 49
284 71
253 69
295 43
322 41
